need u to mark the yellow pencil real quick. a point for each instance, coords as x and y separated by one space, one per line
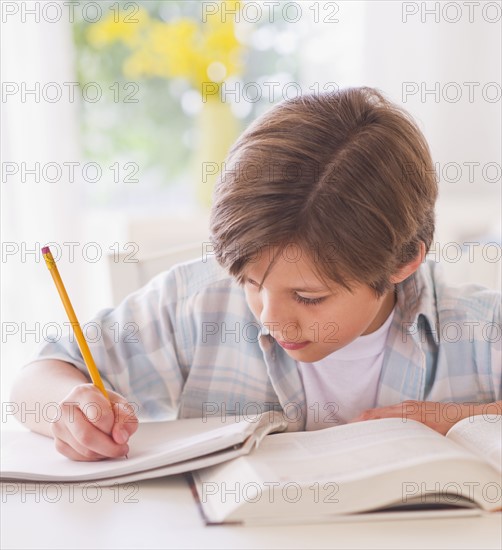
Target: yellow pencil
82 343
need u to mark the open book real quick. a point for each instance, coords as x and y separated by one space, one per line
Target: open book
383 466
241 474
156 449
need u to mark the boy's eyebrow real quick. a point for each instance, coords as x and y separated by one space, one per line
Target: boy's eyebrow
311 289
318 289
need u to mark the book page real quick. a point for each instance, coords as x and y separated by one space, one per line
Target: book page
482 435
352 451
31 456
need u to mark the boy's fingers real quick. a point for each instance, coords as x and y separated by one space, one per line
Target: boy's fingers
99 412
88 436
83 428
124 414
120 434
94 406
65 440
68 451
83 436
126 422
69 446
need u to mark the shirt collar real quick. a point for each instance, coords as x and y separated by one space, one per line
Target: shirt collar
416 298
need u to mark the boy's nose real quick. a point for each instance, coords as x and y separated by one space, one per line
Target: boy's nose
278 321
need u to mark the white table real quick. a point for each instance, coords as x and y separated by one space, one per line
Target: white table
161 513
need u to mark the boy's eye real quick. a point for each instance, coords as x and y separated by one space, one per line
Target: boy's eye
298 298
308 301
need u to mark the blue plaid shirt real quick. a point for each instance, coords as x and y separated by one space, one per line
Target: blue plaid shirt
187 345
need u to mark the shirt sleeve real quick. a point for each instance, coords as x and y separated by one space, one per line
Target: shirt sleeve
135 347
496 336
479 318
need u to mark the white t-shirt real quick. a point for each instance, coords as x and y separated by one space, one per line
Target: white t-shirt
343 384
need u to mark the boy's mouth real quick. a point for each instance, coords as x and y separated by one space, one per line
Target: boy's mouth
293 345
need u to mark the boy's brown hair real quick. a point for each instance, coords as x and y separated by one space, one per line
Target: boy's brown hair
346 177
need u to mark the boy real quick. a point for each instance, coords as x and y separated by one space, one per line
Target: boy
316 298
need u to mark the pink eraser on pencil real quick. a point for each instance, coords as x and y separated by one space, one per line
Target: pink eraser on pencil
46 250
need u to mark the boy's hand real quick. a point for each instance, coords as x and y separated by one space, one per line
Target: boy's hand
438 416
88 428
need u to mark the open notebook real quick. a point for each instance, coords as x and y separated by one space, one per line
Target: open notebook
156 449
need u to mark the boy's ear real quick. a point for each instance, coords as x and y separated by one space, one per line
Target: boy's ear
404 272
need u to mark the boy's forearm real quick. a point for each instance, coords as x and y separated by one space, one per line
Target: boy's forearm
494 407
38 384
437 415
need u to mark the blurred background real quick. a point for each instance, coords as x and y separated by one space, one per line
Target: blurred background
117 116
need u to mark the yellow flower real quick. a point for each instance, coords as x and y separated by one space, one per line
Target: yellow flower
118 27
138 64
182 47
174 46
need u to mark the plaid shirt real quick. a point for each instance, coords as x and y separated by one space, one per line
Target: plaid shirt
187 345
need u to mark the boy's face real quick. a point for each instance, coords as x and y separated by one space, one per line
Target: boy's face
298 308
